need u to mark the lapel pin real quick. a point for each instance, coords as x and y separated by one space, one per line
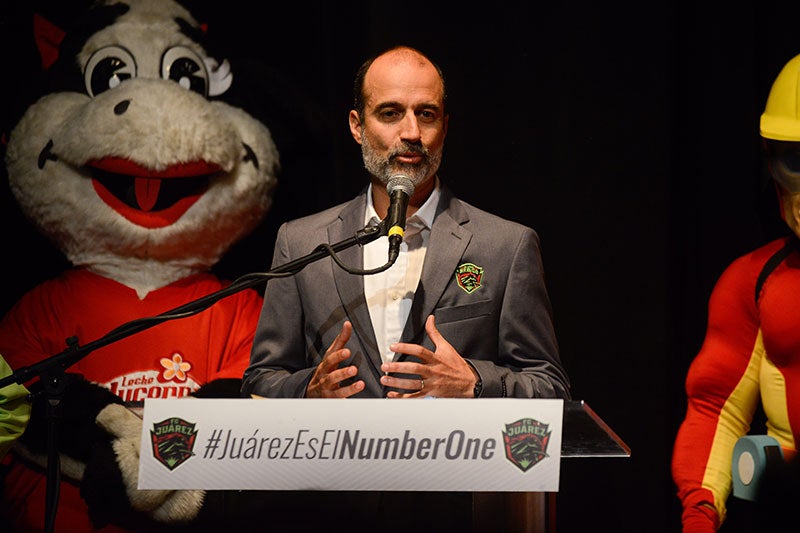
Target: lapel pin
468 276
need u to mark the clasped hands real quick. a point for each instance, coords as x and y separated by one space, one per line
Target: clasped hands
442 373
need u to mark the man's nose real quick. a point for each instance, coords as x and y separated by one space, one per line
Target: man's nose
410 128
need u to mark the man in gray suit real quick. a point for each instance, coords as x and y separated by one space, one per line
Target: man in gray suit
462 312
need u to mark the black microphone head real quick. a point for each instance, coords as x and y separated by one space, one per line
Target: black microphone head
400 182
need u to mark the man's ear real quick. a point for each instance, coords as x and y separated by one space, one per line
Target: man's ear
355 125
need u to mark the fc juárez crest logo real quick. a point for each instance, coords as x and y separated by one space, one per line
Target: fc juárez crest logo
468 277
526 442
173 441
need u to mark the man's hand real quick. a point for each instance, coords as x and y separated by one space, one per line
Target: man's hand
328 377
443 373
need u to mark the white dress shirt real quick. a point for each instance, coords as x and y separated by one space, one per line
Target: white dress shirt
389 293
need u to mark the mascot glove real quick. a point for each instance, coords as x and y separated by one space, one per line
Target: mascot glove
125 429
700 519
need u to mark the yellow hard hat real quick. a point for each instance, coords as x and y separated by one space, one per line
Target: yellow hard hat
781 118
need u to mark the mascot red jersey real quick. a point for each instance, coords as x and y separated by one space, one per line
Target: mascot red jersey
751 352
141 172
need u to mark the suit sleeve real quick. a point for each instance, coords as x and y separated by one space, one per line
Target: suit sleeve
278 366
528 363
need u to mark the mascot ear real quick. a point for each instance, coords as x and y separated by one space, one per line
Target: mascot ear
48 37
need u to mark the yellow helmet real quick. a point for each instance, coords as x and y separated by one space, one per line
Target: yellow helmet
781 118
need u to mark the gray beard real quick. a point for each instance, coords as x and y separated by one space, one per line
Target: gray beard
384 168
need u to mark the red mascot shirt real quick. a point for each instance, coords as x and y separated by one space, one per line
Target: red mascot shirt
171 359
751 353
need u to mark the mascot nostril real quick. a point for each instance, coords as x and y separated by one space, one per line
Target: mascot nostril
144 163
121 107
46 155
250 156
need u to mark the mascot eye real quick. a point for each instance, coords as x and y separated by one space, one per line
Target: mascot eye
107 68
185 67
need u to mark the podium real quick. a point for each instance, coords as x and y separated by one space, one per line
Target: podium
487 460
585 435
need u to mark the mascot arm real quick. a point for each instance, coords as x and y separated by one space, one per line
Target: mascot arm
80 403
110 483
722 392
15 410
99 445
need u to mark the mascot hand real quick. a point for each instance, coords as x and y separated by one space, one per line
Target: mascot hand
110 482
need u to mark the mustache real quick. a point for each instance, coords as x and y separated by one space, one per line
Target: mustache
409 148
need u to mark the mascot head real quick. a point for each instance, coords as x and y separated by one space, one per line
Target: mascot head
780 129
133 163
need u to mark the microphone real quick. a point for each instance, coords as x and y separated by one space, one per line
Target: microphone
400 188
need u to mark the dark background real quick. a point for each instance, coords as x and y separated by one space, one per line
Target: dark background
625 133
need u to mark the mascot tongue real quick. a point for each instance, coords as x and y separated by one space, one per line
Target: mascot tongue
147 192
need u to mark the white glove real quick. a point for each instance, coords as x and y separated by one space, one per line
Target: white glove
161 505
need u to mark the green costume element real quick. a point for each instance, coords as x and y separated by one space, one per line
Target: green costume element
15 410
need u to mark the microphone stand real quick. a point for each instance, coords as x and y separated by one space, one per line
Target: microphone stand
53 368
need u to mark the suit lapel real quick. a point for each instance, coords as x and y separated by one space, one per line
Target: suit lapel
351 286
446 247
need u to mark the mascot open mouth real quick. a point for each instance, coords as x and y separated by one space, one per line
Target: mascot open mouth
147 197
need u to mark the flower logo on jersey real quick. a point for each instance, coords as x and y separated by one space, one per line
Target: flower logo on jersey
173 441
469 277
526 442
175 367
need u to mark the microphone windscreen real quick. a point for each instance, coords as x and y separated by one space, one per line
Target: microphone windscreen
400 182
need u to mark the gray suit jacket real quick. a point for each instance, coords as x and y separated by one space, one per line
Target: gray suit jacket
504 327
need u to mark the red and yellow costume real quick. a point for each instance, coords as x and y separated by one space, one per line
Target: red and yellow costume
751 352
749 355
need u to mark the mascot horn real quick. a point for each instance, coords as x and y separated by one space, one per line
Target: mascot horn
143 171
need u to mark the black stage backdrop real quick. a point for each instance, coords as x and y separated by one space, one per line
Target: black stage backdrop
626 133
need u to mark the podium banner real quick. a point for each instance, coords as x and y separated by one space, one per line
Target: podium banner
471 445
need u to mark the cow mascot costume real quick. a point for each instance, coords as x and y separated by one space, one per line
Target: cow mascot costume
143 172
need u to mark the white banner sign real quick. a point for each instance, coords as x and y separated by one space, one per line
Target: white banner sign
470 445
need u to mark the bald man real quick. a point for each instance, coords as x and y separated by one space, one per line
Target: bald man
459 309
463 312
